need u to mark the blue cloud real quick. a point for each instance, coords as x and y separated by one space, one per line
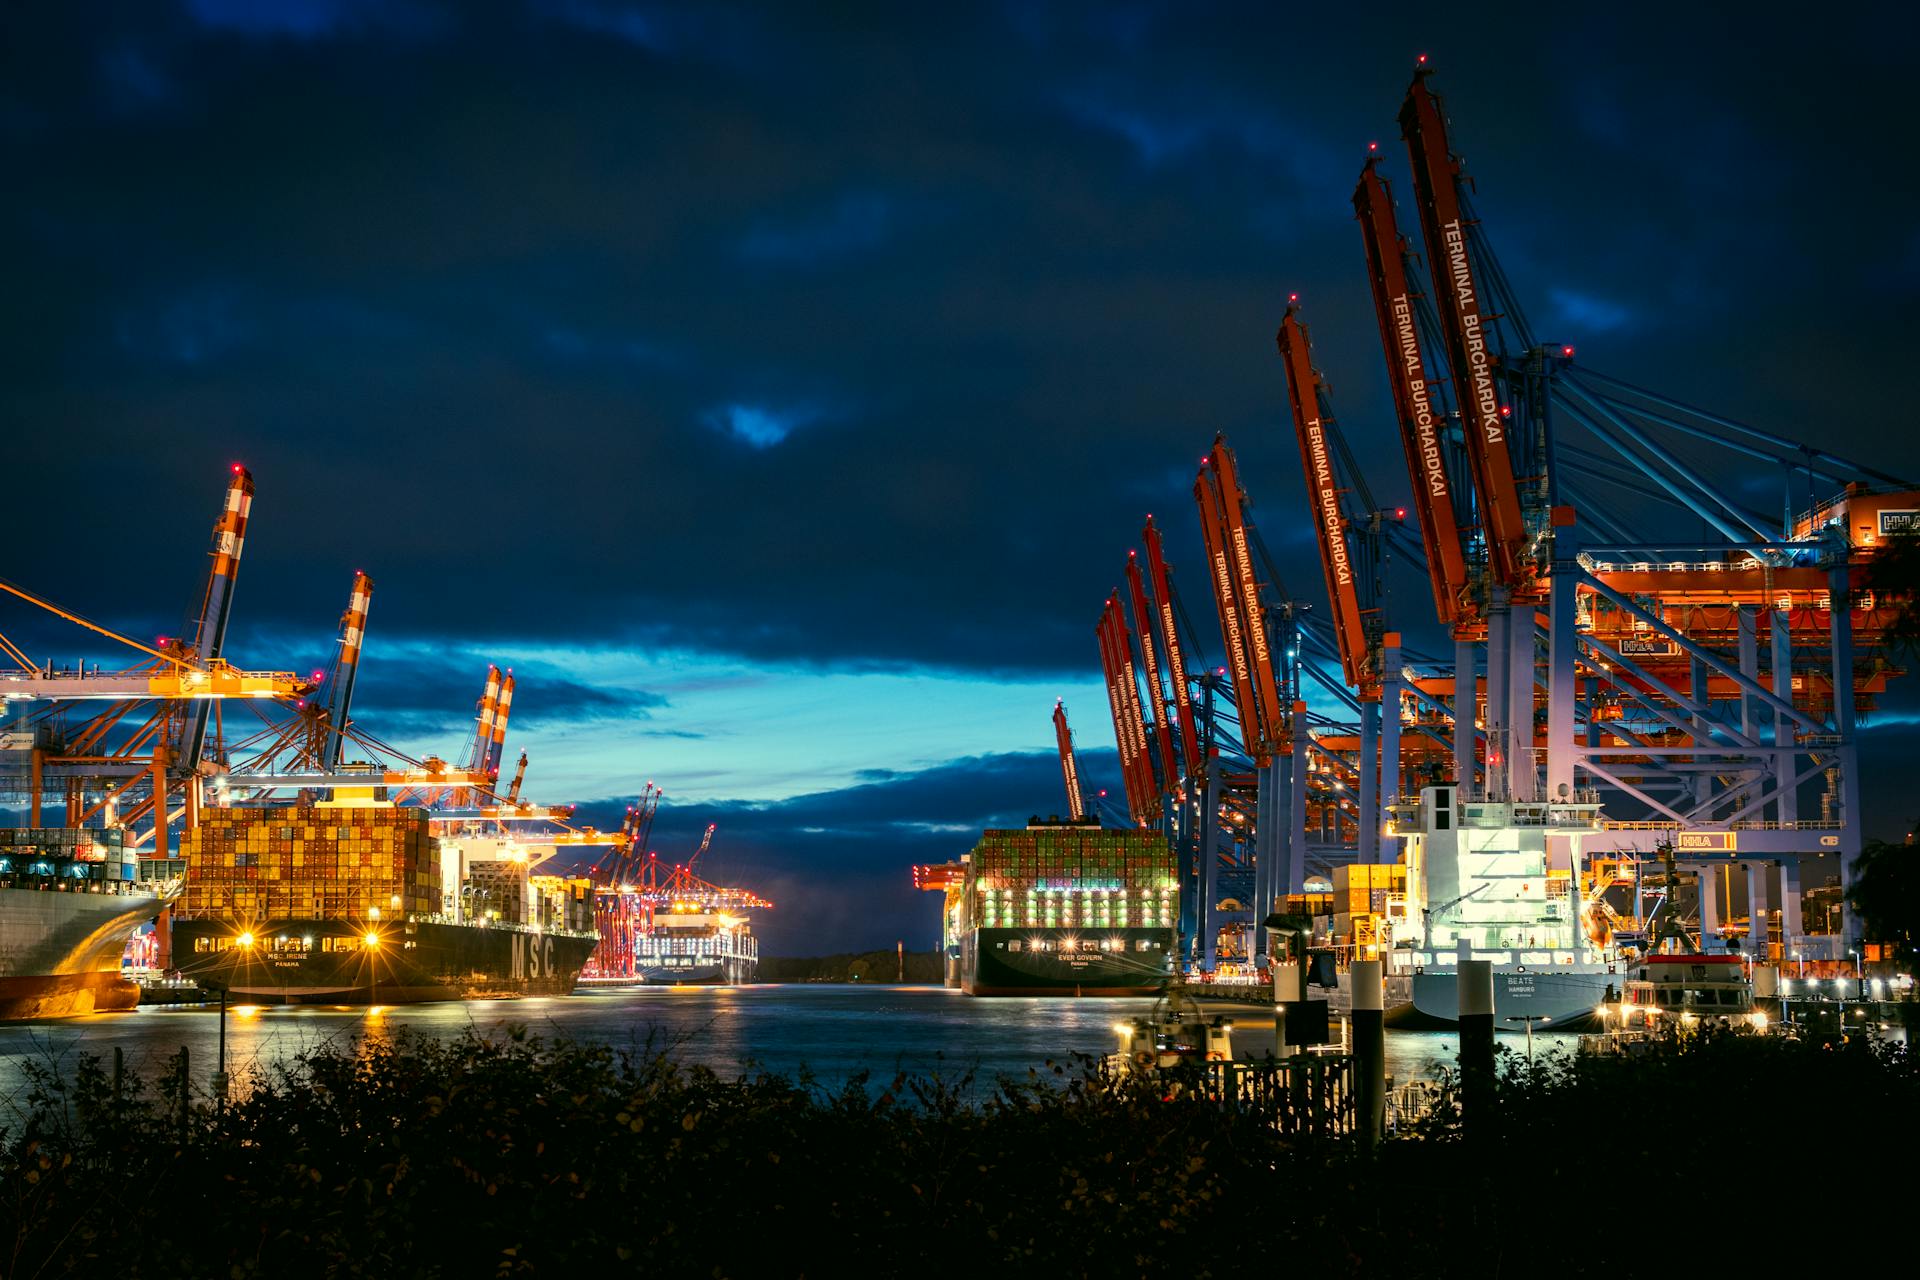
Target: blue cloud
757 426
309 20
1585 312
708 32
856 221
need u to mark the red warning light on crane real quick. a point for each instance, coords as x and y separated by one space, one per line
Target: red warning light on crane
1566 351
237 468
1399 513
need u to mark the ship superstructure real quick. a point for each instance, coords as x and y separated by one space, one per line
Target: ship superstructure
1479 885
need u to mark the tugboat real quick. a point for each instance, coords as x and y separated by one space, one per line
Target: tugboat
1665 992
1177 1032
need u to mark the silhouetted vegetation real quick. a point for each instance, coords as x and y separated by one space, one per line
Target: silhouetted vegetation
414 1158
1886 894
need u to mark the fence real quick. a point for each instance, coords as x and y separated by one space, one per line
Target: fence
1304 1096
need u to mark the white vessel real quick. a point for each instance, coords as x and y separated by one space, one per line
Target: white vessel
1481 885
691 943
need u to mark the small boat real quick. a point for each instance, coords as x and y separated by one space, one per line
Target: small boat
1176 1032
1669 992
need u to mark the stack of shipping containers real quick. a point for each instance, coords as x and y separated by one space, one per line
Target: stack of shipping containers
310 863
1364 894
1058 877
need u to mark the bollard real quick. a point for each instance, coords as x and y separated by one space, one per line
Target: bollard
1288 990
1369 1052
1475 984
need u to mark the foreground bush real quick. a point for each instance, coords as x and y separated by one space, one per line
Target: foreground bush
518 1156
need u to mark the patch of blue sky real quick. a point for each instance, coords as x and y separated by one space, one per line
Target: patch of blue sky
1585 311
766 732
757 426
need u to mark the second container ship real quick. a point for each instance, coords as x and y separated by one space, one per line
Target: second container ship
357 902
1064 908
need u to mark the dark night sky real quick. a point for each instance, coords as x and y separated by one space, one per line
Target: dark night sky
780 388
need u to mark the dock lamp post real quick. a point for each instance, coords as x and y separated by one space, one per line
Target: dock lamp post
1530 1019
242 943
372 944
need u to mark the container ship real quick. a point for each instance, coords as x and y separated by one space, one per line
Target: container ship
674 929
357 902
1063 908
69 901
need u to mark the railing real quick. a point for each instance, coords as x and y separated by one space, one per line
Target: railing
1810 824
1309 1096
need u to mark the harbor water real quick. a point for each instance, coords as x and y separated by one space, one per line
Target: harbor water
832 1031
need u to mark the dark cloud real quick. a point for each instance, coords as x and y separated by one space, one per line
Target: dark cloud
727 324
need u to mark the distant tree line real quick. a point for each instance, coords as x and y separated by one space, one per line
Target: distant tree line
858 966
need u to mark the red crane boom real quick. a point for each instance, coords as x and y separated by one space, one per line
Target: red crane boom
1206 492
1129 741
1130 700
1412 380
1329 517
1232 501
1436 179
1069 771
1159 728
1162 586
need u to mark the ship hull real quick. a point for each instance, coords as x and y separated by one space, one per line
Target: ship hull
1007 962
60 951
722 972
1553 999
327 962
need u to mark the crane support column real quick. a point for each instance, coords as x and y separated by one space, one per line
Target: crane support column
1562 643
1297 816
1269 849
1791 926
1789 802
1367 846
1210 865
160 758
1757 922
1840 639
1499 636
1466 708
1523 777
1390 770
